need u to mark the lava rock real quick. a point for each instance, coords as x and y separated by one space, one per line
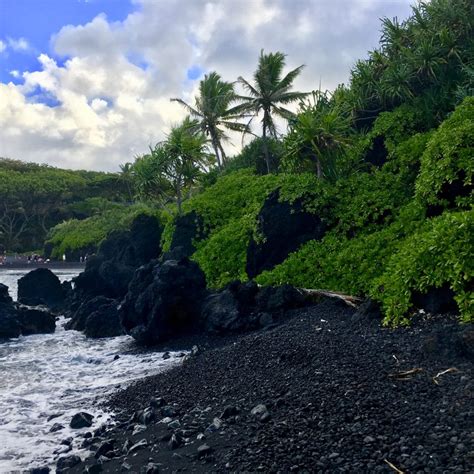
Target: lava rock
41 287
9 324
163 301
67 462
81 420
285 227
4 295
110 271
80 316
187 231
36 321
104 322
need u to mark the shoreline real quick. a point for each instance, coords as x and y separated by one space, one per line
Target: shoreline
35 265
323 391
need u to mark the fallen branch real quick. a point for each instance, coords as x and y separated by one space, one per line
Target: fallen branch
447 371
395 468
353 301
406 374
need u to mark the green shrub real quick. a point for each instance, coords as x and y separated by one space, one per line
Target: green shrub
78 234
449 156
223 255
439 252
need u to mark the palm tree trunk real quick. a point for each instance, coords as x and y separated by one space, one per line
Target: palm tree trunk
265 145
215 145
223 156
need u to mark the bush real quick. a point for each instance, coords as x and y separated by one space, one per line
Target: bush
223 256
74 234
439 252
447 164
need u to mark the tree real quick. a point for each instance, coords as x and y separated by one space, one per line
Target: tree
170 170
269 94
319 132
213 113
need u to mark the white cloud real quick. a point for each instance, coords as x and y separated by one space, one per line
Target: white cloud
3 46
15 73
18 44
110 99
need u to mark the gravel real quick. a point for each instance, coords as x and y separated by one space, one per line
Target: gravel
321 392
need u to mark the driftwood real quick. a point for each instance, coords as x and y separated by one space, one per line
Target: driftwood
353 301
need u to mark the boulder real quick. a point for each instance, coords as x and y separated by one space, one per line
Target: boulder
36 321
285 227
4 295
163 301
67 462
41 287
369 310
88 307
244 306
81 420
110 271
104 322
9 324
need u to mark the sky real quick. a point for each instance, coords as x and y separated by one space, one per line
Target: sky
86 84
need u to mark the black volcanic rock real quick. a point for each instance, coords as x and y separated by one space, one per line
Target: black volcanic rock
163 301
285 227
9 324
41 287
110 271
36 321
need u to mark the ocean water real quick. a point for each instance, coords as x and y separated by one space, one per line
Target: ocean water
60 374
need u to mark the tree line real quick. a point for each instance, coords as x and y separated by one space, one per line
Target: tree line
425 61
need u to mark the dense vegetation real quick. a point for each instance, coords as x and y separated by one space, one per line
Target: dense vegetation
386 162
34 198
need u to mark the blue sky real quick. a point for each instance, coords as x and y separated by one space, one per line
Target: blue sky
37 20
87 83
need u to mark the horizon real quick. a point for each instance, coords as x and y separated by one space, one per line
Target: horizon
86 84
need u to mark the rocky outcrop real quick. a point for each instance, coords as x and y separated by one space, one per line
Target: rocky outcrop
244 306
104 322
97 317
284 227
41 287
163 301
188 228
9 324
16 320
110 271
36 321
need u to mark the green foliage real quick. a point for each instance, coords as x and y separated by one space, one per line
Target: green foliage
422 60
439 252
317 137
73 235
213 113
36 197
223 255
449 156
269 95
252 156
170 171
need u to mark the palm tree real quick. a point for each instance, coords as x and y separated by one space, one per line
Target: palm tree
212 112
269 94
169 172
319 133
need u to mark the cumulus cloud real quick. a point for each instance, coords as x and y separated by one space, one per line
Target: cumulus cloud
102 96
3 46
18 44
